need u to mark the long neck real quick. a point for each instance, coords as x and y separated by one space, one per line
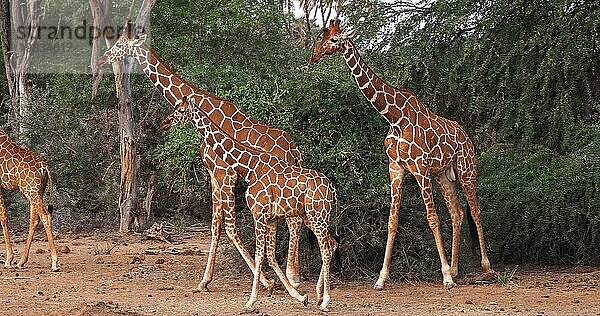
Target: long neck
169 83
223 112
389 101
247 162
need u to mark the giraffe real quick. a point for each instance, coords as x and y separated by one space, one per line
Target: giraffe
275 190
237 124
26 171
421 142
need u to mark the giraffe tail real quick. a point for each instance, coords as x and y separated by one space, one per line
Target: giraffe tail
47 180
472 232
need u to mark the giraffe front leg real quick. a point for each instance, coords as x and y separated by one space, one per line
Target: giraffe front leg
396 175
215 230
292 267
10 255
434 224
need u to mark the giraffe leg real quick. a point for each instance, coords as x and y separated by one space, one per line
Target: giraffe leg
260 232
469 188
271 229
33 221
46 219
328 246
448 189
235 239
396 176
292 267
217 170
10 255
215 232
434 224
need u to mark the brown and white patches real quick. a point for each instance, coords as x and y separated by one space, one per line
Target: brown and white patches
24 170
173 88
418 141
275 190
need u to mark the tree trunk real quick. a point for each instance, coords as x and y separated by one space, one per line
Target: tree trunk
129 190
18 57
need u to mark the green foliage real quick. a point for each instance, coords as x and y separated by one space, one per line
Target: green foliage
542 208
521 77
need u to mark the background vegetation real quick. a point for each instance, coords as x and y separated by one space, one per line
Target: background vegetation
523 78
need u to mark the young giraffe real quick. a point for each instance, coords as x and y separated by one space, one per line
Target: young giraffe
275 190
238 125
421 142
26 171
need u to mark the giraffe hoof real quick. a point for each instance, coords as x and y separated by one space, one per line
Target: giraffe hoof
200 289
324 309
305 300
378 286
55 269
449 285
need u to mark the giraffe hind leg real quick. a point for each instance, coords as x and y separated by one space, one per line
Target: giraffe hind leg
292 267
270 244
475 213
33 221
448 189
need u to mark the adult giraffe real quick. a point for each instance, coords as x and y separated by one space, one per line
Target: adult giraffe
276 189
238 125
26 171
421 142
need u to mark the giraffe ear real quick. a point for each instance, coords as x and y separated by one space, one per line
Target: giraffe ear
326 32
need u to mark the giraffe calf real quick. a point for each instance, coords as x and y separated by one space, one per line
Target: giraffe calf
26 171
275 190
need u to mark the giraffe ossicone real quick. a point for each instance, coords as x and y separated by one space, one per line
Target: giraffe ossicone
238 125
420 142
275 190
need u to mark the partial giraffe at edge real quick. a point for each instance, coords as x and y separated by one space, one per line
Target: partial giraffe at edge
275 190
24 170
425 144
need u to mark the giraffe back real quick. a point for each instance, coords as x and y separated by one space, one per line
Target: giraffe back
21 168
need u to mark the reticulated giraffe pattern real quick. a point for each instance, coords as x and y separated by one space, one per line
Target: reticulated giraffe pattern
427 145
238 125
24 170
275 190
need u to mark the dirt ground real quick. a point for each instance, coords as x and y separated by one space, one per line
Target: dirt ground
141 276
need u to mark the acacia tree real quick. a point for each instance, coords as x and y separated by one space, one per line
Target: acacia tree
132 216
22 18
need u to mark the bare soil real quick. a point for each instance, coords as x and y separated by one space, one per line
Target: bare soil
150 277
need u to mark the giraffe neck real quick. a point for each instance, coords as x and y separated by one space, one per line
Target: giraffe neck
394 104
223 112
247 161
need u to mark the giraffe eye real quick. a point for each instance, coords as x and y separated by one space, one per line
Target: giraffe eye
334 40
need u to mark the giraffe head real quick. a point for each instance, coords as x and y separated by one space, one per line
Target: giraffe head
180 115
123 48
334 40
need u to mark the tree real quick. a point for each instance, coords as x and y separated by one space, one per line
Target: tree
23 21
129 189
